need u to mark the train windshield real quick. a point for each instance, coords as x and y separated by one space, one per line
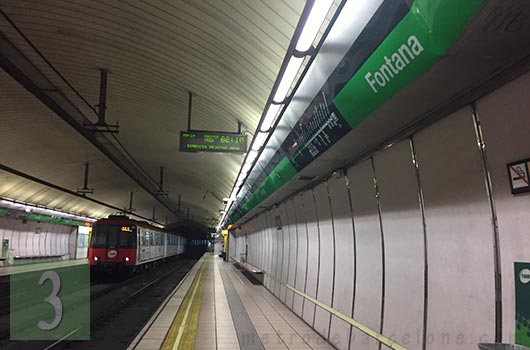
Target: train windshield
113 236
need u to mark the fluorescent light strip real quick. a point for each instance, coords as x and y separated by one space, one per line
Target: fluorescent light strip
259 140
43 210
288 78
314 21
251 156
311 28
246 168
270 116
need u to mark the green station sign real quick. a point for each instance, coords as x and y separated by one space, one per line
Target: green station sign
522 303
372 72
203 141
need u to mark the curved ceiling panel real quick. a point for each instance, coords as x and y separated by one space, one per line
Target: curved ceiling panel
227 53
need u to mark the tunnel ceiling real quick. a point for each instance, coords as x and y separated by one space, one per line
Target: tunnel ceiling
227 53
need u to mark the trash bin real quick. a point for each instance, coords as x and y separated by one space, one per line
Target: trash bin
501 346
11 257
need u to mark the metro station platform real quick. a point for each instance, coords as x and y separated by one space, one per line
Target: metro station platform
217 307
52 265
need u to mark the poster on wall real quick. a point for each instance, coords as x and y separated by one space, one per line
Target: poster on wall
522 303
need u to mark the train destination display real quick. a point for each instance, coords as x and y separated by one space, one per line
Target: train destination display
203 141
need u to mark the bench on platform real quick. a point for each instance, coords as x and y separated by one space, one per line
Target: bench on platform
254 274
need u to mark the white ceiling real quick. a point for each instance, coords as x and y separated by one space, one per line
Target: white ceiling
227 53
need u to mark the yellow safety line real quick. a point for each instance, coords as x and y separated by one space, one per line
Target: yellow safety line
365 329
182 333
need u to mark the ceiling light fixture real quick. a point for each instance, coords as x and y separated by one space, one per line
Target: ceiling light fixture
312 18
288 78
259 140
313 23
37 209
246 168
251 157
270 117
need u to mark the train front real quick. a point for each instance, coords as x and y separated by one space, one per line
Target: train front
113 246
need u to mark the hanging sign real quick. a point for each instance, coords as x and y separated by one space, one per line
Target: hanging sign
219 142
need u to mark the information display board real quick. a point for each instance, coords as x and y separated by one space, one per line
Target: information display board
203 141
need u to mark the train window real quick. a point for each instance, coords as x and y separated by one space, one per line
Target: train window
148 238
99 238
127 240
111 236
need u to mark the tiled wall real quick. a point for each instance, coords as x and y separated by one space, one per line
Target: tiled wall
53 239
404 242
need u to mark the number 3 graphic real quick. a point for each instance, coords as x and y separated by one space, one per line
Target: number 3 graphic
53 299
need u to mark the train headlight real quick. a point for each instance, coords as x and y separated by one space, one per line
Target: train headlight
127 258
96 258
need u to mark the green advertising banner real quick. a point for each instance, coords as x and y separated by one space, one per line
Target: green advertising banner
51 304
522 303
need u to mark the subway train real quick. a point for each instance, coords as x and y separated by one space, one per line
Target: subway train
119 244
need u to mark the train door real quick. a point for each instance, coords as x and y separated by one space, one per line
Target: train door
144 246
149 244
179 246
159 245
138 244
165 236
156 244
